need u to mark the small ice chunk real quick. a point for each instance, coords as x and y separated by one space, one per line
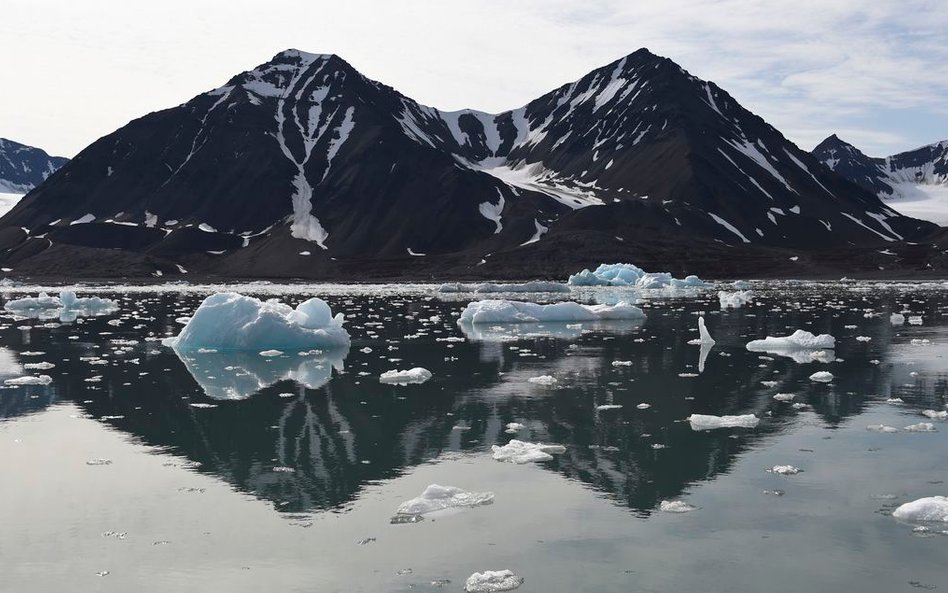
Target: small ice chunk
415 375
28 380
546 380
932 508
734 300
492 581
785 470
822 376
921 427
605 407
784 397
490 287
709 422
525 452
499 311
676 506
271 353
438 498
935 414
881 428
897 319
621 363
513 427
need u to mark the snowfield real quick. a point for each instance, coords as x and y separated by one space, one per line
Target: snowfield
926 202
8 201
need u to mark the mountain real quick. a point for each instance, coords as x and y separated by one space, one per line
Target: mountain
302 167
24 167
892 177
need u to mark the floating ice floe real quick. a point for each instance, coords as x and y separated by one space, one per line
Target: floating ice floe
490 287
514 427
492 581
785 470
633 276
67 306
801 346
606 407
921 427
415 375
709 422
236 375
676 506
524 452
822 377
545 380
439 498
935 414
28 380
501 311
932 508
742 285
234 322
881 428
897 319
784 397
798 340
734 300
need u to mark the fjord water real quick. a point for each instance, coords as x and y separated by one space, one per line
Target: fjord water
135 470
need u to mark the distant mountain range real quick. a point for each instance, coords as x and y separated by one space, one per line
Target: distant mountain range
24 167
303 167
894 176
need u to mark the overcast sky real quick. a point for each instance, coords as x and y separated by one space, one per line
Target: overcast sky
875 72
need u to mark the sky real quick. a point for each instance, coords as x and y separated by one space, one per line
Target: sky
874 72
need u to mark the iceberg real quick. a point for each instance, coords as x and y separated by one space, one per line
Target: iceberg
822 376
415 375
524 452
799 340
734 300
632 275
801 346
29 380
492 581
439 498
705 335
709 422
502 311
67 306
490 287
238 375
932 508
233 322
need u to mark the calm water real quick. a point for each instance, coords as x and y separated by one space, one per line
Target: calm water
190 500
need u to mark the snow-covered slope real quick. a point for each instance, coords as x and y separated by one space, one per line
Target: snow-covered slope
24 167
303 154
915 182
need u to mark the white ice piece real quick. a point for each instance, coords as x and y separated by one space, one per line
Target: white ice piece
490 287
231 321
415 375
676 506
931 508
734 300
709 422
502 311
517 451
492 581
799 340
822 376
631 275
438 498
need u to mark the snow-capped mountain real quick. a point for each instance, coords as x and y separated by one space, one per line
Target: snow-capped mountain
895 176
914 183
24 167
303 161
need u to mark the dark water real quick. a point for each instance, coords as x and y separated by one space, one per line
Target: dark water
190 499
